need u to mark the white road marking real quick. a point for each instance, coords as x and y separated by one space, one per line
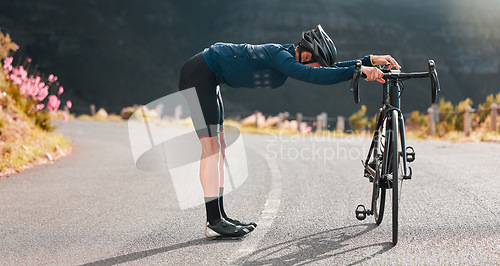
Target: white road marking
267 217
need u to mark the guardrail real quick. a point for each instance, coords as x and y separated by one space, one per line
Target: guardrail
322 121
319 123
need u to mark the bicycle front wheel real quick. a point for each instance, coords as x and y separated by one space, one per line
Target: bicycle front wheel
395 174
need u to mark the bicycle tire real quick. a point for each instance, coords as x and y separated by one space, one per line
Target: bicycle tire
378 193
395 175
378 199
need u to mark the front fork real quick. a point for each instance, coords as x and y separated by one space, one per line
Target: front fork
403 153
407 154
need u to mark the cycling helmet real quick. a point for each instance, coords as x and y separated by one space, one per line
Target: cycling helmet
320 45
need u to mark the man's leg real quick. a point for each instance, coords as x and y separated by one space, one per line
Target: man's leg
222 160
209 176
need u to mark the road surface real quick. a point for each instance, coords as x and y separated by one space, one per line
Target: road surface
96 207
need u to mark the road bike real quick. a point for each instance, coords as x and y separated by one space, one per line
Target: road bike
386 165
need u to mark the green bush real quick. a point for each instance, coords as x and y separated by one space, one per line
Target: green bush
6 45
417 121
484 111
358 121
372 123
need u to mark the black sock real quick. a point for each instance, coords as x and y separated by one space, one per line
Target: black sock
221 203
212 207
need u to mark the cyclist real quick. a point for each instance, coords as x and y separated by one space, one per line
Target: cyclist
254 66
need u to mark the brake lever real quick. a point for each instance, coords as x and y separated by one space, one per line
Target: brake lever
432 68
355 81
435 87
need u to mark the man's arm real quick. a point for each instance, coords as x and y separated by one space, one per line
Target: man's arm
372 60
367 61
287 65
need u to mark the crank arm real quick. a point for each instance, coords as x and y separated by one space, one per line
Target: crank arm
368 169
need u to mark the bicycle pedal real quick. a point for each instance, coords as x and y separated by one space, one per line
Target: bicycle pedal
410 154
361 212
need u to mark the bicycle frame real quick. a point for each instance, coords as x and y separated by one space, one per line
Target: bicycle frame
391 100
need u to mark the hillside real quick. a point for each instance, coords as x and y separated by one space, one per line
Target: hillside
22 143
119 53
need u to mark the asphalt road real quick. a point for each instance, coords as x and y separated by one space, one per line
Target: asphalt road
96 207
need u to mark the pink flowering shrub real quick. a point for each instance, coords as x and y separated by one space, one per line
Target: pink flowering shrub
31 93
53 103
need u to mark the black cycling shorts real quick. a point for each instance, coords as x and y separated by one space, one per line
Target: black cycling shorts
196 74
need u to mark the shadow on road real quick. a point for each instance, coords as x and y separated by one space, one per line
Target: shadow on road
304 250
147 253
319 246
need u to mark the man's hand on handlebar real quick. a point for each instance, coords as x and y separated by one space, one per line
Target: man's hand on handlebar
385 60
374 73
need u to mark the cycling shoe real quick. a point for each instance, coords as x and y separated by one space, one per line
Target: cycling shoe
236 222
225 229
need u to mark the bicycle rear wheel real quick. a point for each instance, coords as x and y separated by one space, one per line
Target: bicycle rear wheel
379 183
394 155
378 198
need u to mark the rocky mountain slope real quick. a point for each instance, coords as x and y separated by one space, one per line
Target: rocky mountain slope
119 53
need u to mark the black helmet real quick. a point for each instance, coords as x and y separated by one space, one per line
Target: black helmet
320 45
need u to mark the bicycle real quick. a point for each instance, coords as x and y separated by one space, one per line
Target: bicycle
386 165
